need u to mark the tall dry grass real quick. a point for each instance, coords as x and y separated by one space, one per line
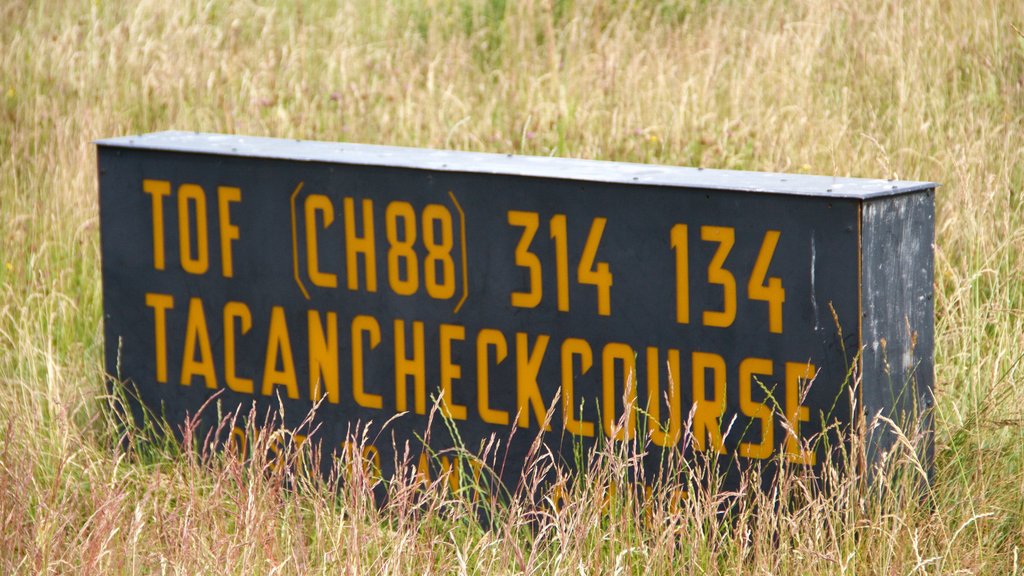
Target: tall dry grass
929 89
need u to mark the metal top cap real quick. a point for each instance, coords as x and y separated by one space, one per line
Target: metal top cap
514 165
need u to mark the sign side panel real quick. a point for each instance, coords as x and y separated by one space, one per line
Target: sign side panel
898 323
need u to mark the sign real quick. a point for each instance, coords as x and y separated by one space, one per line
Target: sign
490 300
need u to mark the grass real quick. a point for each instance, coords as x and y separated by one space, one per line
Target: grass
929 89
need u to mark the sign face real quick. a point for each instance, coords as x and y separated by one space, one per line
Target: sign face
684 311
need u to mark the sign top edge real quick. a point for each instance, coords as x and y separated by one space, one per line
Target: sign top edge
517 165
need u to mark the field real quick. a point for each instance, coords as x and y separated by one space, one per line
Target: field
925 90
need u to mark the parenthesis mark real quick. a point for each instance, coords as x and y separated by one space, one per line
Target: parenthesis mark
465 268
295 243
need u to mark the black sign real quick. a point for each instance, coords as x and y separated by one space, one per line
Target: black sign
488 298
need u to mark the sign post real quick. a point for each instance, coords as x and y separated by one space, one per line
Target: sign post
750 316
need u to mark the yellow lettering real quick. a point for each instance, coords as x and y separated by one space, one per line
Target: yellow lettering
300 456
708 411
750 368
371 456
275 444
227 195
160 303
196 334
659 435
618 353
363 325
238 442
677 500
573 348
323 357
157 189
235 311
526 259
769 290
450 371
439 252
596 273
725 237
200 263
401 249
450 468
362 459
423 468
796 374
560 236
681 244
279 344
489 338
355 245
559 497
322 204
406 367
527 369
